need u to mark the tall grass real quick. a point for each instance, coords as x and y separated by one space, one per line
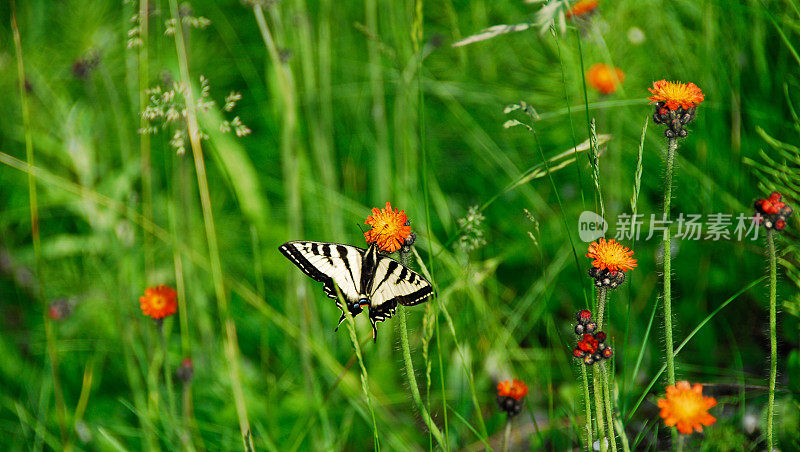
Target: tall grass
33 202
353 105
230 339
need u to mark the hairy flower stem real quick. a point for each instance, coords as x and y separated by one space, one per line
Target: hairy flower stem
773 342
608 405
671 148
597 388
601 403
601 306
507 434
588 404
602 298
412 380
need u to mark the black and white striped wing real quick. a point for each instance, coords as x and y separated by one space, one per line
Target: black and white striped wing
328 263
395 284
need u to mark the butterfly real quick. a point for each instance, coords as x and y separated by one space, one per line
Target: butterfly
365 278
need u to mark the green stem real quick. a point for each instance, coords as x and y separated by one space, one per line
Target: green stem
602 297
569 115
167 372
50 336
609 413
601 306
435 299
412 380
153 393
621 433
507 434
598 405
382 162
230 339
601 403
144 138
364 376
773 342
671 148
587 401
673 145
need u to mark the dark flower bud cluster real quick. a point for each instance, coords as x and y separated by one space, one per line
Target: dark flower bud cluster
511 406
510 394
604 277
409 241
773 211
60 309
186 370
82 67
591 347
585 324
675 120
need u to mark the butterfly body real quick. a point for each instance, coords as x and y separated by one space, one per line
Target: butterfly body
363 278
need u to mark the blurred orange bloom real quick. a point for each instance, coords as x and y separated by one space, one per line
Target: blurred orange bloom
389 228
676 94
582 7
611 255
159 302
686 408
605 79
516 389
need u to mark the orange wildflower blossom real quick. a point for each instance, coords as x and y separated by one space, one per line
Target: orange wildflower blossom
159 302
604 78
686 408
676 105
389 228
676 95
510 395
582 8
611 260
611 255
516 389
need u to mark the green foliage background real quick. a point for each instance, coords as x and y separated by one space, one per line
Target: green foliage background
359 123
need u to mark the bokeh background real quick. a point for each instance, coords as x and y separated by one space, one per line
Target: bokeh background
350 105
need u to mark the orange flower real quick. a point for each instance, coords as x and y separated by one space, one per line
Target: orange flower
605 79
611 255
686 408
582 7
676 94
389 228
159 302
516 389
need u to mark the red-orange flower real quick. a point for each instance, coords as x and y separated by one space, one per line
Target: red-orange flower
611 256
582 7
605 79
389 228
676 94
515 389
686 408
159 302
